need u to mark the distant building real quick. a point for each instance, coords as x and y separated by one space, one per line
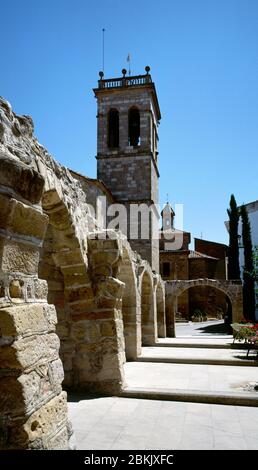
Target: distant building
207 260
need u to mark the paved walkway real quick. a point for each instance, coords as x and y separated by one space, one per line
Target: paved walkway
127 423
212 378
198 355
139 423
208 329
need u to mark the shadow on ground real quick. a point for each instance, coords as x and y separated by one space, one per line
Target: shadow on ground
79 396
217 329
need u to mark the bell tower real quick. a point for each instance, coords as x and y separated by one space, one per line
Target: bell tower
127 156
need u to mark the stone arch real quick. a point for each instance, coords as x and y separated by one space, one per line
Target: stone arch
148 310
160 306
232 289
130 305
89 324
63 266
211 301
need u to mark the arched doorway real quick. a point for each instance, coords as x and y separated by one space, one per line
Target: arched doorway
207 302
232 289
149 325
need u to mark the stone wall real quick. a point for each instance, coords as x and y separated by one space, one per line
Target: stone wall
70 294
33 408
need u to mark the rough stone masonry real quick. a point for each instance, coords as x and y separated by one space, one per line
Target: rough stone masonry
76 301
70 301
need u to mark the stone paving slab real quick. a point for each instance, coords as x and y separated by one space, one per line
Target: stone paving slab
198 356
191 378
131 424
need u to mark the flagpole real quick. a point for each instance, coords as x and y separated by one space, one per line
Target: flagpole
103 50
129 62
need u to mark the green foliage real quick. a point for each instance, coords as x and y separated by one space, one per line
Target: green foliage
249 269
233 250
198 312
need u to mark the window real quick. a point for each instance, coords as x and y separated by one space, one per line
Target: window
134 127
113 128
166 269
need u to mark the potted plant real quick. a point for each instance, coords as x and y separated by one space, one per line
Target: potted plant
197 315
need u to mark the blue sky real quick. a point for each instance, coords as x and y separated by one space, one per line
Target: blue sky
203 56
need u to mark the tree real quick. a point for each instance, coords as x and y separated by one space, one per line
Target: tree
233 251
249 272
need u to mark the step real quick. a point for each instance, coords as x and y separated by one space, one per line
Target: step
226 357
197 342
194 396
194 345
192 382
215 362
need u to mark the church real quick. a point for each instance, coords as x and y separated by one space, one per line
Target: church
78 297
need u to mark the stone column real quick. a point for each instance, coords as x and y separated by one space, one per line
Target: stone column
105 349
130 309
161 317
171 302
148 310
33 407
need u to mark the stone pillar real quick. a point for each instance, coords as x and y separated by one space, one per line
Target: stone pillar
161 316
237 308
106 351
33 407
148 311
130 309
171 302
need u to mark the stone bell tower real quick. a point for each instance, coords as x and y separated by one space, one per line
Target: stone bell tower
127 136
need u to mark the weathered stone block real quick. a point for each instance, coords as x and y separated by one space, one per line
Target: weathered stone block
59 217
68 258
78 331
93 314
79 270
18 257
80 308
108 328
79 293
46 428
30 351
4 209
25 220
28 392
76 279
27 319
24 180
